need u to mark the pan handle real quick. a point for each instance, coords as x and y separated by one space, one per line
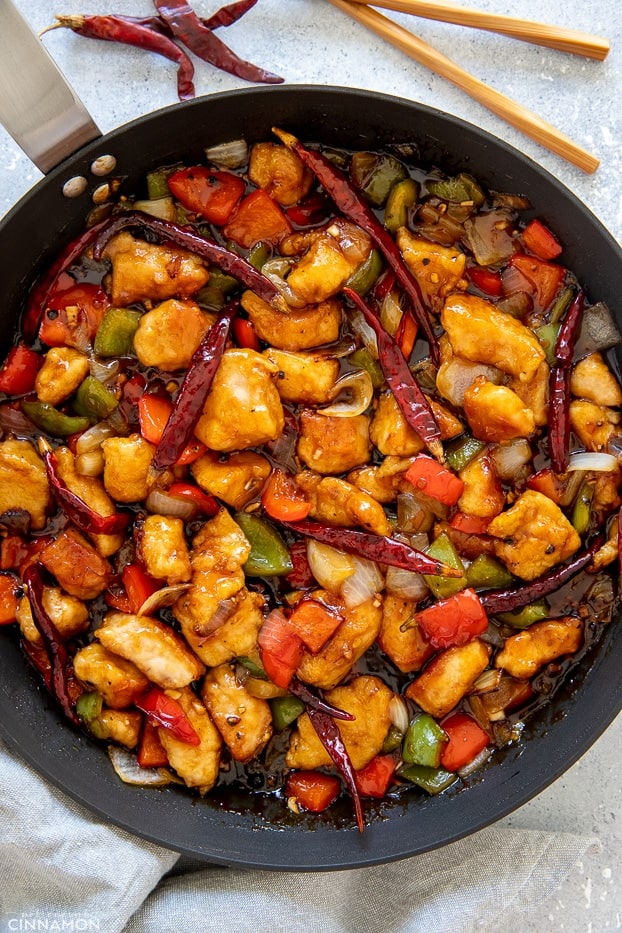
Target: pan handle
38 108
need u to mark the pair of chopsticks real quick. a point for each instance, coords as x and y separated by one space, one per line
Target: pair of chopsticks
566 40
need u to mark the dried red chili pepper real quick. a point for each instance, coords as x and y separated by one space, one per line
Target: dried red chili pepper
73 506
374 547
48 282
229 14
186 238
189 29
54 645
337 186
193 391
315 702
559 385
569 331
124 30
495 601
411 400
329 735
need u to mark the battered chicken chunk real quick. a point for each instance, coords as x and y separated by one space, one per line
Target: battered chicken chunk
526 652
116 679
479 332
482 495
592 379
304 378
368 699
495 413
235 479
390 432
594 424
62 372
280 171
144 271
354 636
120 726
329 262
23 481
168 335
407 648
456 374
301 329
382 482
535 393
243 408
438 269
163 549
92 490
127 461
197 765
68 613
448 677
77 566
154 647
333 445
533 535
244 721
340 503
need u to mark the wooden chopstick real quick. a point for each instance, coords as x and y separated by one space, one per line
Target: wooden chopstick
512 112
553 37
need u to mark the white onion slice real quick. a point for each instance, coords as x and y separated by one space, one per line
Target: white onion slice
104 372
595 461
352 394
92 438
165 596
330 567
478 762
366 581
90 463
159 502
406 583
127 768
232 154
390 314
164 208
276 270
510 458
398 713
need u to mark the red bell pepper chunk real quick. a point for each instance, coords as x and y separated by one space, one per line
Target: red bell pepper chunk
486 280
539 240
301 577
209 192
314 623
19 370
454 620
280 649
309 212
205 503
166 713
313 790
376 777
406 336
72 316
548 483
153 414
283 499
258 217
544 278
151 753
139 586
245 335
466 740
435 480
9 598
469 524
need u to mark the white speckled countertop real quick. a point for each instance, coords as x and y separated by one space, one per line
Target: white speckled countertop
309 41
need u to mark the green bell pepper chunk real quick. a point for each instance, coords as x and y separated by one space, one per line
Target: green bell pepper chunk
462 187
285 710
402 197
462 450
582 508
157 181
115 334
211 297
423 742
375 174
219 279
253 668
547 335
94 401
88 710
523 618
259 254
392 740
269 556
363 359
432 780
442 549
365 277
52 421
560 305
488 573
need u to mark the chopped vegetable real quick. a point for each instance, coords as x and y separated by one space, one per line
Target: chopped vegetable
269 555
165 712
466 739
312 790
19 370
283 499
434 480
423 742
454 620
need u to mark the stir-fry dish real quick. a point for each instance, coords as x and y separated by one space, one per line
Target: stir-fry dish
309 474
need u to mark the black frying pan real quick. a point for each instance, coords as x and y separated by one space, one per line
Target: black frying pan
224 827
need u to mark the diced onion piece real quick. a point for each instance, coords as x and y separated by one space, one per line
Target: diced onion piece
366 581
354 243
263 689
456 377
510 458
159 502
406 583
232 154
224 611
362 330
90 463
330 567
398 713
276 270
165 596
489 680
92 438
477 762
127 768
352 395
595 461
104 372
390 314
164 208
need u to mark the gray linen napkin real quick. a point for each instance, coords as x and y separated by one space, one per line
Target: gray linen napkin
63 870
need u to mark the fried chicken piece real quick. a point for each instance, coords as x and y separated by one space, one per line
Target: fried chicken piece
526 652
